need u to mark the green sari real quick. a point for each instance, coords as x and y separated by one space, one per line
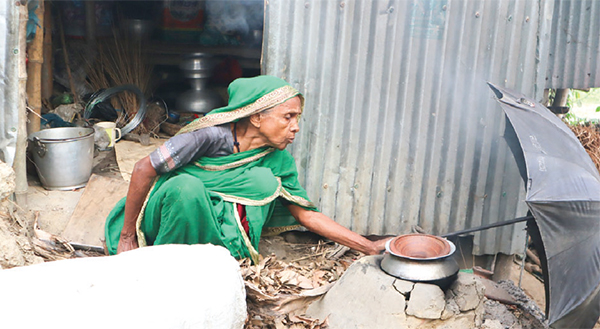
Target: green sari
197 203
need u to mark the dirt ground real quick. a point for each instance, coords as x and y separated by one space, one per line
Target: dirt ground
303 252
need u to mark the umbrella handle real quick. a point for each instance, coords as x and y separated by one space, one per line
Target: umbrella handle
485 227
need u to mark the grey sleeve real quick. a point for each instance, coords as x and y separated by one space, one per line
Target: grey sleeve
182 149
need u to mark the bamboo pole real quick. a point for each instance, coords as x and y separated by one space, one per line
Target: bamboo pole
35 50
47 77
20 164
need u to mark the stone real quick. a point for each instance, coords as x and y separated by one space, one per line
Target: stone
7 181
494 291
426 301
10 251
467 291
492 324
479 313
166 286
404 287
450 310
364 297
500 312
461 321
15 248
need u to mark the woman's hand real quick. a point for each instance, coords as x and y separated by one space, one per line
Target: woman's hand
326 227
379 245
128 241
141 181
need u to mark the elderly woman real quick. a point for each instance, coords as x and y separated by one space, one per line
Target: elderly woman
226 179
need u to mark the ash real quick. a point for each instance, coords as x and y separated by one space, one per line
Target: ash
525 315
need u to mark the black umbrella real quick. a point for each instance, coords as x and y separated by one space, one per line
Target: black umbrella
563 195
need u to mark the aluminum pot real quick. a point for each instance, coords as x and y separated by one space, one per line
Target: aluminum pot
199 101
197 65
421 258
63 157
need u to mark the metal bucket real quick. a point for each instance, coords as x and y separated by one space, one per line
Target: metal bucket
63 157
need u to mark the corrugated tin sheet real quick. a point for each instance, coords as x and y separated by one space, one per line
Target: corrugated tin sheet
400 128
574 54
8 81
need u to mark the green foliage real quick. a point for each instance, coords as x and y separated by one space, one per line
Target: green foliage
575 97
573 120
579 102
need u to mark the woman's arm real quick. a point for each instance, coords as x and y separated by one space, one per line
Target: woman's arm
326 227
178 151
141 182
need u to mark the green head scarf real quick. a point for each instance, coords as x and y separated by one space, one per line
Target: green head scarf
247 96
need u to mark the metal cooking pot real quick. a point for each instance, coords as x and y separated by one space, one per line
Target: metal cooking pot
63 157
421 258
198 67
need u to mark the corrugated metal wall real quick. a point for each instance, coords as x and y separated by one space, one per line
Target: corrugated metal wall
400 128
574 56
8 81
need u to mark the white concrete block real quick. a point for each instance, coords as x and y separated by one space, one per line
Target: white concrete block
162 287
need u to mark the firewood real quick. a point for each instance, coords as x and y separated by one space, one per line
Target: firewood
533 258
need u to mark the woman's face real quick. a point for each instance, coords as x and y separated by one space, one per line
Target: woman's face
279 125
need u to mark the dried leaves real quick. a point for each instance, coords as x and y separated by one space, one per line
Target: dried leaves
278 293
589 136
287 321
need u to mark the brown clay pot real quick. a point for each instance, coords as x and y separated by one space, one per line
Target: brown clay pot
419 246
421 258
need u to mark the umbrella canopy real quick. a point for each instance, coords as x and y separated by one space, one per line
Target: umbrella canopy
563 195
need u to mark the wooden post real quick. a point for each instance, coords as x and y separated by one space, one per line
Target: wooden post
34 73
560 97
20 163
47 66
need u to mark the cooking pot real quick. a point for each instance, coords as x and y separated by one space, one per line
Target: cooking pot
421 258
63 157
198 67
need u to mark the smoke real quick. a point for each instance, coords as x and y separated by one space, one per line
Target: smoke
235 17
